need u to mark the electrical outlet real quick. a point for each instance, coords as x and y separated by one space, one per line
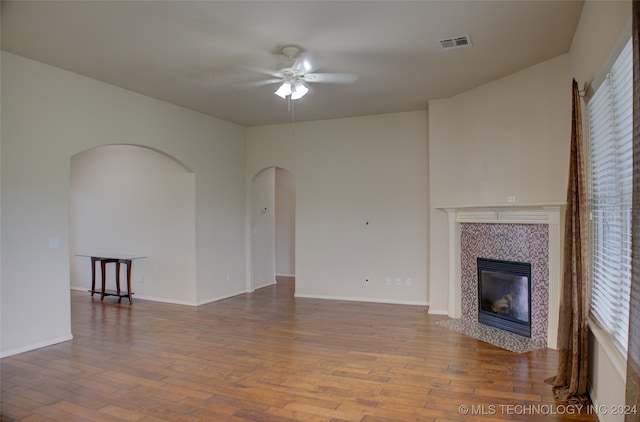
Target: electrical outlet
511 199
228 277
408 282
140 278
388 281
399 282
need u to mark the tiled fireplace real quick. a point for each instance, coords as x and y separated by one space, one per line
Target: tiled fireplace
511 242
523 234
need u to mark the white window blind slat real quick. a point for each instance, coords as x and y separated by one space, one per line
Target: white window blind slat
610 116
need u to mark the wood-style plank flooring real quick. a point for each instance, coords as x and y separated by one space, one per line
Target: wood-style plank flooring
266 356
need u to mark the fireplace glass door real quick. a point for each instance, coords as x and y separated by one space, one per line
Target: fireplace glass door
504 295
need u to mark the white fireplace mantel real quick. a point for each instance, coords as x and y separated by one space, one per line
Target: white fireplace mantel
548 214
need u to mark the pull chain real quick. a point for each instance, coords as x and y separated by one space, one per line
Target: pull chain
291 108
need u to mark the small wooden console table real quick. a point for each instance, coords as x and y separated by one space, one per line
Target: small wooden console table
117 259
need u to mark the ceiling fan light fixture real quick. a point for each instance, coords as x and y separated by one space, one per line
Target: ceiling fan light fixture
284 91
299 91
294 90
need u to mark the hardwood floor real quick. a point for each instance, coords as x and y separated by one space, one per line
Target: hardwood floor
269 357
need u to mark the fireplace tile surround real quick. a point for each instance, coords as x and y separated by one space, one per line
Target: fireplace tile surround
508 242
524 233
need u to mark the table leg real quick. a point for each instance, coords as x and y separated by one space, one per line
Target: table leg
93 274
103 267
128 263
118 277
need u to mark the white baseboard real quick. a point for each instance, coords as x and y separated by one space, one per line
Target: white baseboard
438 312
217 298
267 284
172 301
163 300
143 297
35 346
363 299
285 275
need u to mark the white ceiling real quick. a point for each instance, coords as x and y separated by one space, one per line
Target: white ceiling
191 53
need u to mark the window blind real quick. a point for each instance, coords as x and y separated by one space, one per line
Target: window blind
610 115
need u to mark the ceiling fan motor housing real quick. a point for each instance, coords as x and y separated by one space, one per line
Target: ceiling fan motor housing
290 51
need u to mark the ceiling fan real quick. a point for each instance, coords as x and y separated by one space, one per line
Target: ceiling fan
294 73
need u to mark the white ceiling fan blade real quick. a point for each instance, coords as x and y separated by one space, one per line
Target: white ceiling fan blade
303 63
331 78
261 70
255 84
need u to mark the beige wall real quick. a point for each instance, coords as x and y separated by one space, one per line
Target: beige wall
272 212
524 115
285 223
506 138
134 200
263 228
349 172
0 182
601 25
49 115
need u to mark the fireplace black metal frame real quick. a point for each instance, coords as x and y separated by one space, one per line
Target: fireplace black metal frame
496 320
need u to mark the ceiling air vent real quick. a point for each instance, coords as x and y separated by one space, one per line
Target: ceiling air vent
455 42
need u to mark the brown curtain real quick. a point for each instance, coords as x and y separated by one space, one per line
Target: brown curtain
633 355
570 382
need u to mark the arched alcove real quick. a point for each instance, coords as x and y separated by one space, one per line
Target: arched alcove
135 200
272 226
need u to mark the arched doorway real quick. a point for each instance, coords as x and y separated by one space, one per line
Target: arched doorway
135 200
272 226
